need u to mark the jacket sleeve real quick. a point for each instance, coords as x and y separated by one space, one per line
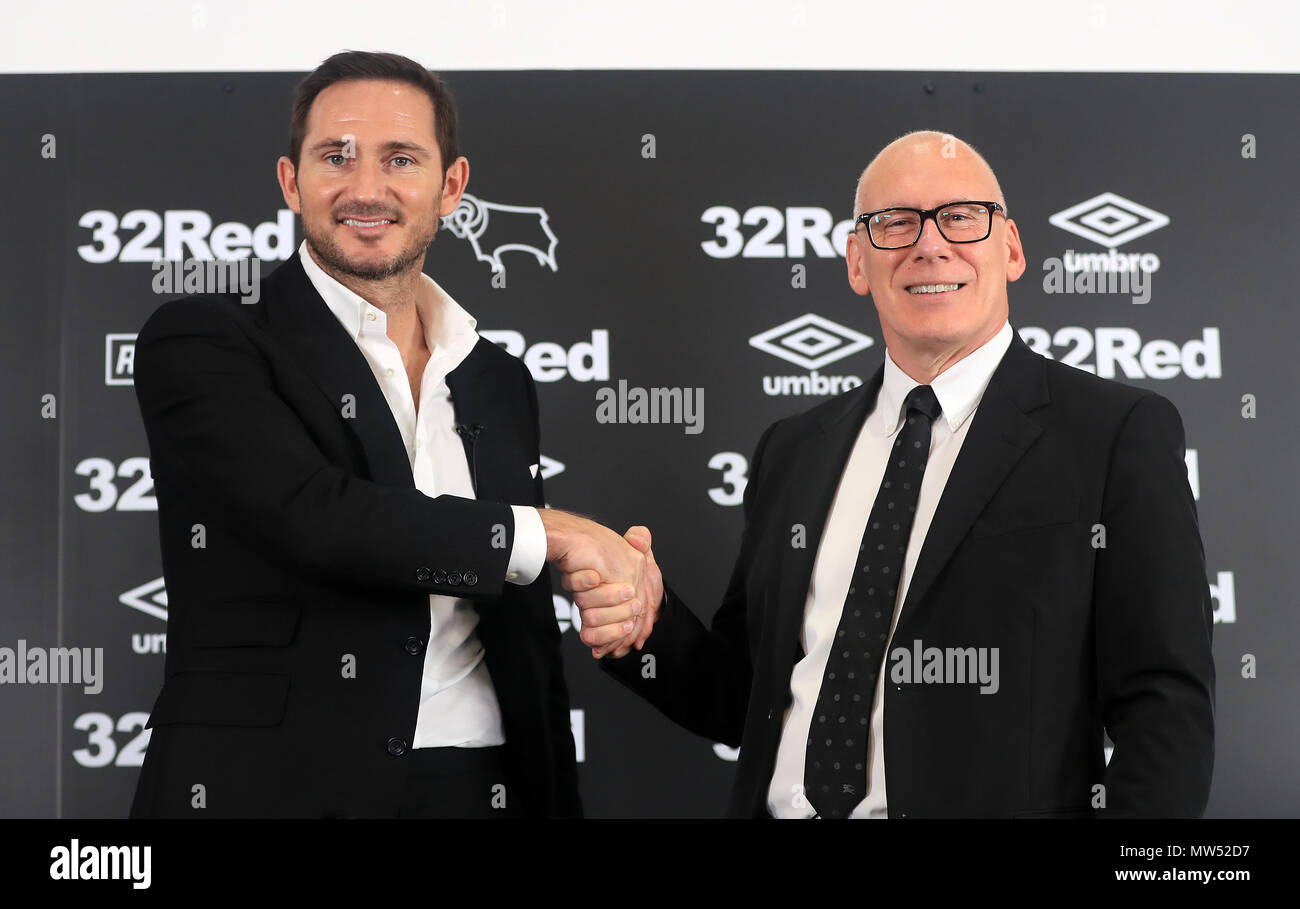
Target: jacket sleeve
699 677
1155 669
217 426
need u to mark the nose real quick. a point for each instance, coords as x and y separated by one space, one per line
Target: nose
367 184
931 244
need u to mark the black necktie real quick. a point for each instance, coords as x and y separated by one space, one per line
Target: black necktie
835 772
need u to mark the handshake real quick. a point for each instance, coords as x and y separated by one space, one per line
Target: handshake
615 581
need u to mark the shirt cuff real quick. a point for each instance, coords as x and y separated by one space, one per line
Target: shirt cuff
528 554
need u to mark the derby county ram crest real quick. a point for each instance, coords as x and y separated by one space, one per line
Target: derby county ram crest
493 228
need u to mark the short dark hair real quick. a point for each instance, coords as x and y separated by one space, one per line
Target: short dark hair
363 65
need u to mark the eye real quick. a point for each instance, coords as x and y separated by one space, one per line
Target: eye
330 159
402 158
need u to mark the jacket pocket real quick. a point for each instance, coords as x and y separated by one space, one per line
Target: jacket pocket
246 622
1026 516
222 699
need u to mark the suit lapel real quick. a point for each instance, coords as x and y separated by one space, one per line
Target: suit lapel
299 317
999 436
476 399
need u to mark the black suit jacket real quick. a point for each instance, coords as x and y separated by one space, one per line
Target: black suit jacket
1114 638
267 428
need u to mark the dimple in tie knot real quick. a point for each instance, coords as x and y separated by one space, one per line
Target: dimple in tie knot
922 398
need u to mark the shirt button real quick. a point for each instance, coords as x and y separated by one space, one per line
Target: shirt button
413 645
512 576
388 372
370 316
396 747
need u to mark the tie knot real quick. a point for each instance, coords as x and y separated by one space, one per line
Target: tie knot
922 398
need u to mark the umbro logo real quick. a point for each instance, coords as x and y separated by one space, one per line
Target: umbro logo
1109 220
810 341
149 598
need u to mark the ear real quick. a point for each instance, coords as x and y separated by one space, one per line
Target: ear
453 186
1015 252
288 178
855 257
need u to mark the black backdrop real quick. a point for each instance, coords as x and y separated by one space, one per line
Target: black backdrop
683 205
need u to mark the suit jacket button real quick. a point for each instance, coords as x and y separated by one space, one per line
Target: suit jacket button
440 577
471 578
396 747
453 579
413 645
422 574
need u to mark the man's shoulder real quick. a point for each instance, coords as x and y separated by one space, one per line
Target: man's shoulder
225 310
494 354
1100 398
804 424
489 357
197 313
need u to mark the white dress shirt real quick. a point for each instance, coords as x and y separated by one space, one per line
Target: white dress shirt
458 705
959 389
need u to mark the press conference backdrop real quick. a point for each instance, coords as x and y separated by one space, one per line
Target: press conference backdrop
635 231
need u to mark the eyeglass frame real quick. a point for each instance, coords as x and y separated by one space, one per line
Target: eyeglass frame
930 214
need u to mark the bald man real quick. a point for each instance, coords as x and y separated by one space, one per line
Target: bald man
955 579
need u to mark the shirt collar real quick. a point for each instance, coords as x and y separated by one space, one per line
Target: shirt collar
958 388
449 330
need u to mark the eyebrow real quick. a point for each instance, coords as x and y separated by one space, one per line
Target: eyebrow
390 146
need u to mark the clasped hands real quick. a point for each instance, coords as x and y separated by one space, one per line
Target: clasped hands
615 580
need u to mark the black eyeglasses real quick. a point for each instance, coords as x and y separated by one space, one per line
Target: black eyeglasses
958 222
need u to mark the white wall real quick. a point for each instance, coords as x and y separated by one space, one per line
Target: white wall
232 35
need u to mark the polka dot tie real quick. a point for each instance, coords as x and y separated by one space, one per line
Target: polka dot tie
835 767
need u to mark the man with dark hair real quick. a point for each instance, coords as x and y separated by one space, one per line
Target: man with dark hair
957 578
365 628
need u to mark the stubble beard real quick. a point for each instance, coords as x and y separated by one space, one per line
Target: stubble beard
335 261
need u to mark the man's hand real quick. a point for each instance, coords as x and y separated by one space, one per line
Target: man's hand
579 546
599 603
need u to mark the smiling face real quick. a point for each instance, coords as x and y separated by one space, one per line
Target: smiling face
370 204
937 300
